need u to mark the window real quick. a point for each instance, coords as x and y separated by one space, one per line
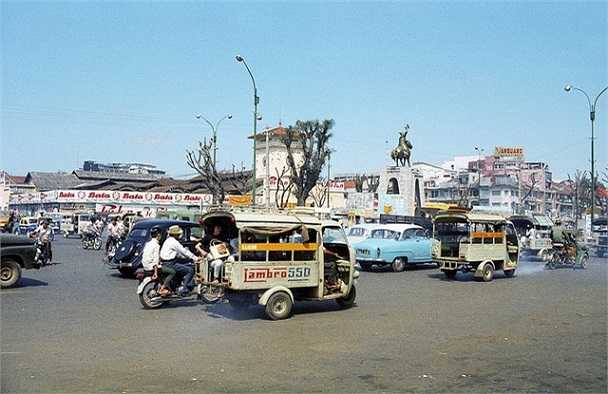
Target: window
196 231
496 192
356 232
392 187
408 234
334 235
383 234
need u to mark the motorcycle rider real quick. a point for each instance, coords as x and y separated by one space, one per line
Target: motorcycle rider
563 238
43 234
174 255
151 261
115 232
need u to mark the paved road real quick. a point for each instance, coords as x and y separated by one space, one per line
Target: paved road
77 327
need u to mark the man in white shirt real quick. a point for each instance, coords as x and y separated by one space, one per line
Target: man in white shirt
176 256
115 232
151 261
44 233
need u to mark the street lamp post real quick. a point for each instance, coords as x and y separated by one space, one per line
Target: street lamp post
592 107
214 130
267 132
256 101
479 150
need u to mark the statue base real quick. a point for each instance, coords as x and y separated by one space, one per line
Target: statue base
400 191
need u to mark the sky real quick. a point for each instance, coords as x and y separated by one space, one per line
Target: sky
123 81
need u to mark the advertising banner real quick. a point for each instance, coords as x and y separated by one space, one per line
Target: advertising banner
113 197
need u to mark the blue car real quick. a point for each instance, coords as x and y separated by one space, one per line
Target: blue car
396 246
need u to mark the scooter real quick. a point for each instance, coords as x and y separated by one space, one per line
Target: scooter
149 291
91 242
565 257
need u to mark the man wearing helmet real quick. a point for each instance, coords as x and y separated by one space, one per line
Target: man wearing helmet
173 254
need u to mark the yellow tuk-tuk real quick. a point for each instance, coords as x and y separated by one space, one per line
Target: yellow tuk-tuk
473 241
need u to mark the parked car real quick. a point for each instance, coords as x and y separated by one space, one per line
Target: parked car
127 258
17 253
395 245
360 232
27 225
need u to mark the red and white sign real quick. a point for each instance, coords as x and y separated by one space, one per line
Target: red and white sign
113 197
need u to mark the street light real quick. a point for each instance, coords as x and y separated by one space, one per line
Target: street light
256 101
569 88
214 130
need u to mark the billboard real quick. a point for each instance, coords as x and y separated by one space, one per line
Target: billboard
508 151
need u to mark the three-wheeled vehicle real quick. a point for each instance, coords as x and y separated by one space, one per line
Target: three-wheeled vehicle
534 235
277 258
599 229
468 241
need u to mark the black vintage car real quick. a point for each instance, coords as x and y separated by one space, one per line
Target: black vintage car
128 255
17 253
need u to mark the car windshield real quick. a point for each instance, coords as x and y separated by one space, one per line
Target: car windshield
334 235
138 233
384 234
356 232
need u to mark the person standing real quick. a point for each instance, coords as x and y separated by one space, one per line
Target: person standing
173 254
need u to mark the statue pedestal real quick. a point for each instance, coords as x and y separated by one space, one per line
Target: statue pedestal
400 191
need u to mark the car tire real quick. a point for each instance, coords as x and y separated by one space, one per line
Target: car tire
399 264
10 273
279 306
365 267
450 274
509 273
349 300
126 272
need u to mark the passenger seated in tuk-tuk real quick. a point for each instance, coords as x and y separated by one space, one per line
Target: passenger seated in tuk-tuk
213 240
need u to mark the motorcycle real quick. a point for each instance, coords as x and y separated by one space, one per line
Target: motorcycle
43 252
113 247
565 257
149 291
91 242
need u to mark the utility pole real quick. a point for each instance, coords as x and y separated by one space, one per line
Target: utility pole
328 176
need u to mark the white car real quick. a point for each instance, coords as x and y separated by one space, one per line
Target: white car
360 232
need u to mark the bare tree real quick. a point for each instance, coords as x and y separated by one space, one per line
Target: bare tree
319 194
372 183
531 186
312 136
201 161
359 181
284 189
240 179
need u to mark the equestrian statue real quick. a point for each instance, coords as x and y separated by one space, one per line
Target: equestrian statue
401 154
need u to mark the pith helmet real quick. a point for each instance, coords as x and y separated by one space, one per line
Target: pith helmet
175 230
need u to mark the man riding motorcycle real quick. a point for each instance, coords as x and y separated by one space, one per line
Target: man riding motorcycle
174 255
564 240
116 231
151 262
43 235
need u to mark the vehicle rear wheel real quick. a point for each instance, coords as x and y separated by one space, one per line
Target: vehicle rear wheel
450 274
10 273
584 262
509 273
399 264
365 267
487 274
279 306
349 300
126 272
148 294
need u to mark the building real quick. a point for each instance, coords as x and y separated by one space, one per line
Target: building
124 168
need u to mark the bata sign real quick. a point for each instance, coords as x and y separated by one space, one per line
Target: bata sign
505 151
115 197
